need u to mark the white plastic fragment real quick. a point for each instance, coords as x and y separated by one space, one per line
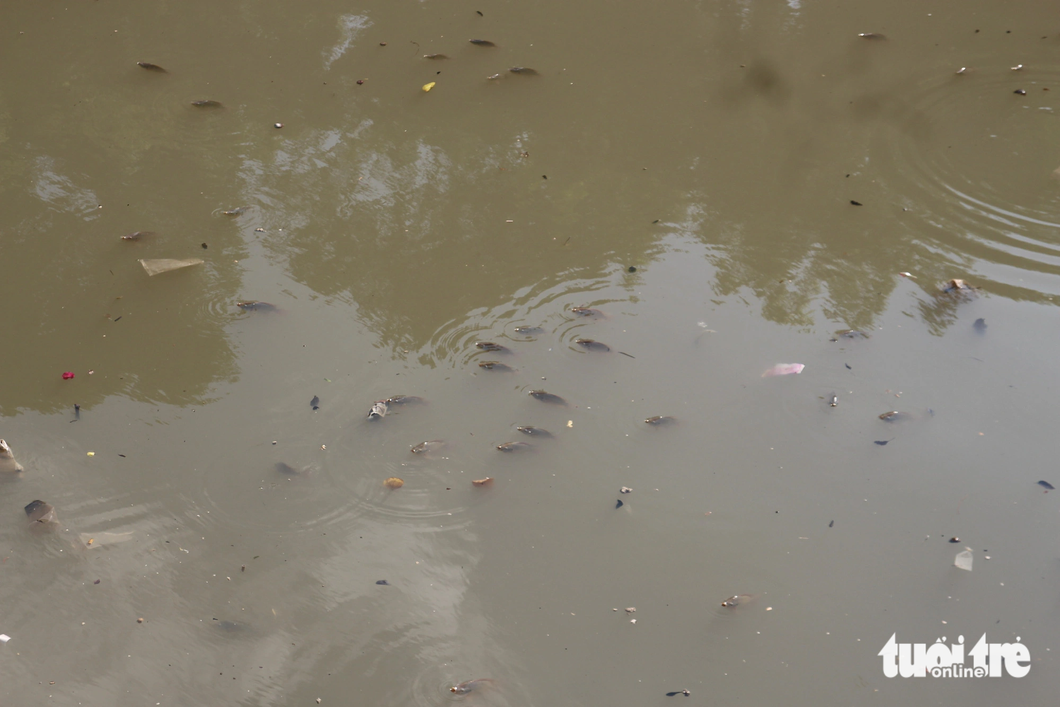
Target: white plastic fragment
4 638
964 560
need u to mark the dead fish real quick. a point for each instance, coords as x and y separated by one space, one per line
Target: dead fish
882 442
137 235
957 285
493 77
496 366
315 402
535 431
686 693
8 465
784 369
980 325
482 42
378 411
1048 486
429 447
469 685
852 334
382 583
289 470
207 103
404 400
738 600
435 56
491 346
896 416
586 312
591 345
524 70
526 330
660 420
872 35
41 512
515 447
547 397
482 482
238 211
151 67
625 489
253 305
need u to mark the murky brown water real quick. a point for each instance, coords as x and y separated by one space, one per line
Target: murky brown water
688 171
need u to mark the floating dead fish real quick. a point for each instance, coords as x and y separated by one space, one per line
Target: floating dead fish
586 312
431 446
482 42
784 369
625 489
686 693
660 420
404 400
738 600
207 103
980 325
1048 486
882 442
493 77
535 431
435 56
526 330
491 346
378 411
1020 92
852 334
896 416
496 366
137 235
833 400
547 397
151 67
315 402
482 482
41 512
515 447
470 685
872 35
591 345
382 583
8 465
256 306
161 265
524 70
957 286
238 211
962 71
393 483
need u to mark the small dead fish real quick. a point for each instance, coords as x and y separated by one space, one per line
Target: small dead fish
382 583
686 693
8 465
137 235
526 330
315 402
435 56
40 512
882 442
255 306
378 411
737 600
151 67
207 103
833 400
524 70
895 416
535 432
482 42
852 334
482 482
586 312
491 346
784 369
429 447
493 77
660 420
515 447
404 400
1048 486
547 397
980 325
591 345
469 685
496 366
238 211
872 35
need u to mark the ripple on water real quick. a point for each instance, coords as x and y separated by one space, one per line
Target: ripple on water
970 157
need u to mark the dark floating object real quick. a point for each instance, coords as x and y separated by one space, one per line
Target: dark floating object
660 420
856 203
383 582
515 447
586 312
204 246
491 346
848 366
882 442
315 402
591 345
7 459
872 35
735 600
853 334
496 366
955 539
404 400
482 42
831 523
256 306
40 512
686 693
535 432
833 400
378 411
435 56
895 416
957 286
1047 485
479 13
528 330
429 447
980 325
631 269
151 67
207 103
1020 92
469 685
137 235
547 397
524 70
619 504
238 211
77 411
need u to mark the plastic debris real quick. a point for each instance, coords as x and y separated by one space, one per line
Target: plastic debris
963 560
784 369
7 459
161 265
428 86
4 638
67 375
393 483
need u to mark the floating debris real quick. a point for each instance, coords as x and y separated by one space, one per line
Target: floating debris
41 512
980 325
482 42
315 402
1020 92
67 375
393 483
546 397
1017 67
619 504
435 56
161 265
896 416
256 306
207 103
660 420
957 285
963 560
961 71
833 400
526 330
491 346
1048 486
378 411
137 235
428 86
736 600
882 442
955 539
872 35
469 685
535 431
586 312
784 369
524 70
151 67
429 447
482 482
404 400
8 465
852 334
496 366
856 203
625 489
591 345
686 693
382 583
515 447
238 211
493 77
